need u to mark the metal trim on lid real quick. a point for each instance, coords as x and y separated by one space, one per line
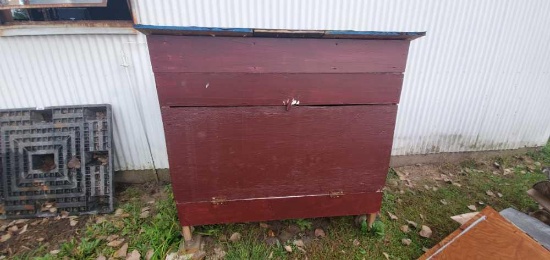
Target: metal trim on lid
248 32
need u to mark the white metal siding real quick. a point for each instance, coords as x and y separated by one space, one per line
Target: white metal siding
479 80
41 71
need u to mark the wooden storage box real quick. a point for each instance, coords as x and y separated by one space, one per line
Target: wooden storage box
263 125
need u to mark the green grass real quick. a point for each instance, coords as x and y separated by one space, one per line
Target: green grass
161 231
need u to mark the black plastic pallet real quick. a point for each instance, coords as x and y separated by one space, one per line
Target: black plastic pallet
56 159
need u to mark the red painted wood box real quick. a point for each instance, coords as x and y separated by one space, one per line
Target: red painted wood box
263 125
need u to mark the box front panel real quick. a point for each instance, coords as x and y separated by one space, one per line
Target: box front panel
262 152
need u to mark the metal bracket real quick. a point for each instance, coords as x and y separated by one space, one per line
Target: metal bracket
336 194
218 200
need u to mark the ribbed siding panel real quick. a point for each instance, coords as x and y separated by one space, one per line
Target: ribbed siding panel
41 71
478 81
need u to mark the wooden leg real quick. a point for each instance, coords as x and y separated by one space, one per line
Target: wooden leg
371 218
187 236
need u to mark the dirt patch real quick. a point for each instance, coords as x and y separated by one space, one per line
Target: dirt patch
45 233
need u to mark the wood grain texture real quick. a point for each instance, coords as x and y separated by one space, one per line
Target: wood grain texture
492 238
260 152
247 89
275 55
203 213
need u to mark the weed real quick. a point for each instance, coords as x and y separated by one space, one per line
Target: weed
304 224
378 229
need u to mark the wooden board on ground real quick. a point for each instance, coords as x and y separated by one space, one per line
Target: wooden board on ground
487 236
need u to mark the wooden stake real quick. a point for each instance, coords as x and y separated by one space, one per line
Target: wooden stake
371 218
187 236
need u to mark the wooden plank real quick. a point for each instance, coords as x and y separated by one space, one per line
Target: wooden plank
203 213
539 198
260 152
532 226
245 89
275 55
487 236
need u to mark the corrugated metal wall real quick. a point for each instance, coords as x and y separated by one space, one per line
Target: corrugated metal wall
41 71
479 80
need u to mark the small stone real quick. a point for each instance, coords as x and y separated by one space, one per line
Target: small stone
392 216
64 214
299 243
434 188
496 164
288 248
24 229
356 242
426 187
481 202
235 237
406 241
412 223
121 252
144 214
457 184
135 255
119 212
507 171
405 229
116 243
490 193
73 222
444 202
55 252
499 194
5 237
425 231
149 254
319 233
472 207
112 237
